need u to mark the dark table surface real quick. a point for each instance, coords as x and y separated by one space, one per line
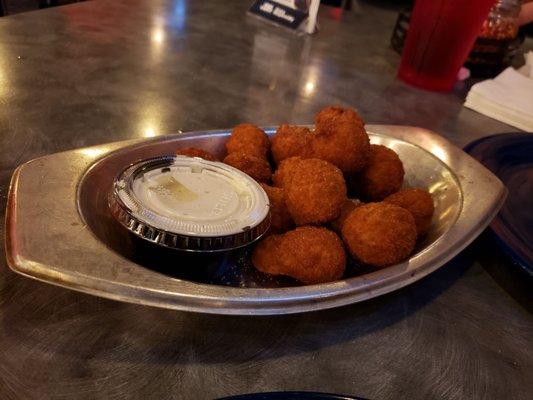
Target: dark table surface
103 71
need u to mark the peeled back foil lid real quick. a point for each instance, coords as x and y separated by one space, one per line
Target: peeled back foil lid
190 204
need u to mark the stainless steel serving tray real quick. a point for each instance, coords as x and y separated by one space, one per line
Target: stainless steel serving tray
59 230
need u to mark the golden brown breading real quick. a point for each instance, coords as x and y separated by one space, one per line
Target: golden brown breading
285 170
265 256
194 152
379 234
309 254
337 114
248 139
419 203
289 141
258 168
315 192
280 219
340 138
381 176
348 206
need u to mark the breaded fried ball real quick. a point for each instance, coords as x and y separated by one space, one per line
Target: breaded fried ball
419 203
309 254
194 152
280 219
348 206
340 138
336 114
289 141
379 234
315 192
265 256
258 168
248 139
381 176
285 170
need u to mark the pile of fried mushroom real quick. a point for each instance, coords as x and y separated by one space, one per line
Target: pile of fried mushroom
312 219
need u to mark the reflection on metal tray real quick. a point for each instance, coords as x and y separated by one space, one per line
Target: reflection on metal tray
69 238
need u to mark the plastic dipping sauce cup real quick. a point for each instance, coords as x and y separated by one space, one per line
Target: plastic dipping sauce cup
441 34
190 204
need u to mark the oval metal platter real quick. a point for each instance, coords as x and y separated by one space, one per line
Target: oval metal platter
60 230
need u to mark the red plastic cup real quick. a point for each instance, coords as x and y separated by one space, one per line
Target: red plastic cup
441 34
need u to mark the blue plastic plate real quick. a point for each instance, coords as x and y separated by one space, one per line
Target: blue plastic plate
510 157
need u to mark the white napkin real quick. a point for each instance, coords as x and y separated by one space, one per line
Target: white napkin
508 97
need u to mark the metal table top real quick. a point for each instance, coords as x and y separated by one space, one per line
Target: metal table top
101 71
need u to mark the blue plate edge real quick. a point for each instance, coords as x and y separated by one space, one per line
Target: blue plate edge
295 395
514 257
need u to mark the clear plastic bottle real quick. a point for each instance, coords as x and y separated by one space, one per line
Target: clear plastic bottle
502 22
497 42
